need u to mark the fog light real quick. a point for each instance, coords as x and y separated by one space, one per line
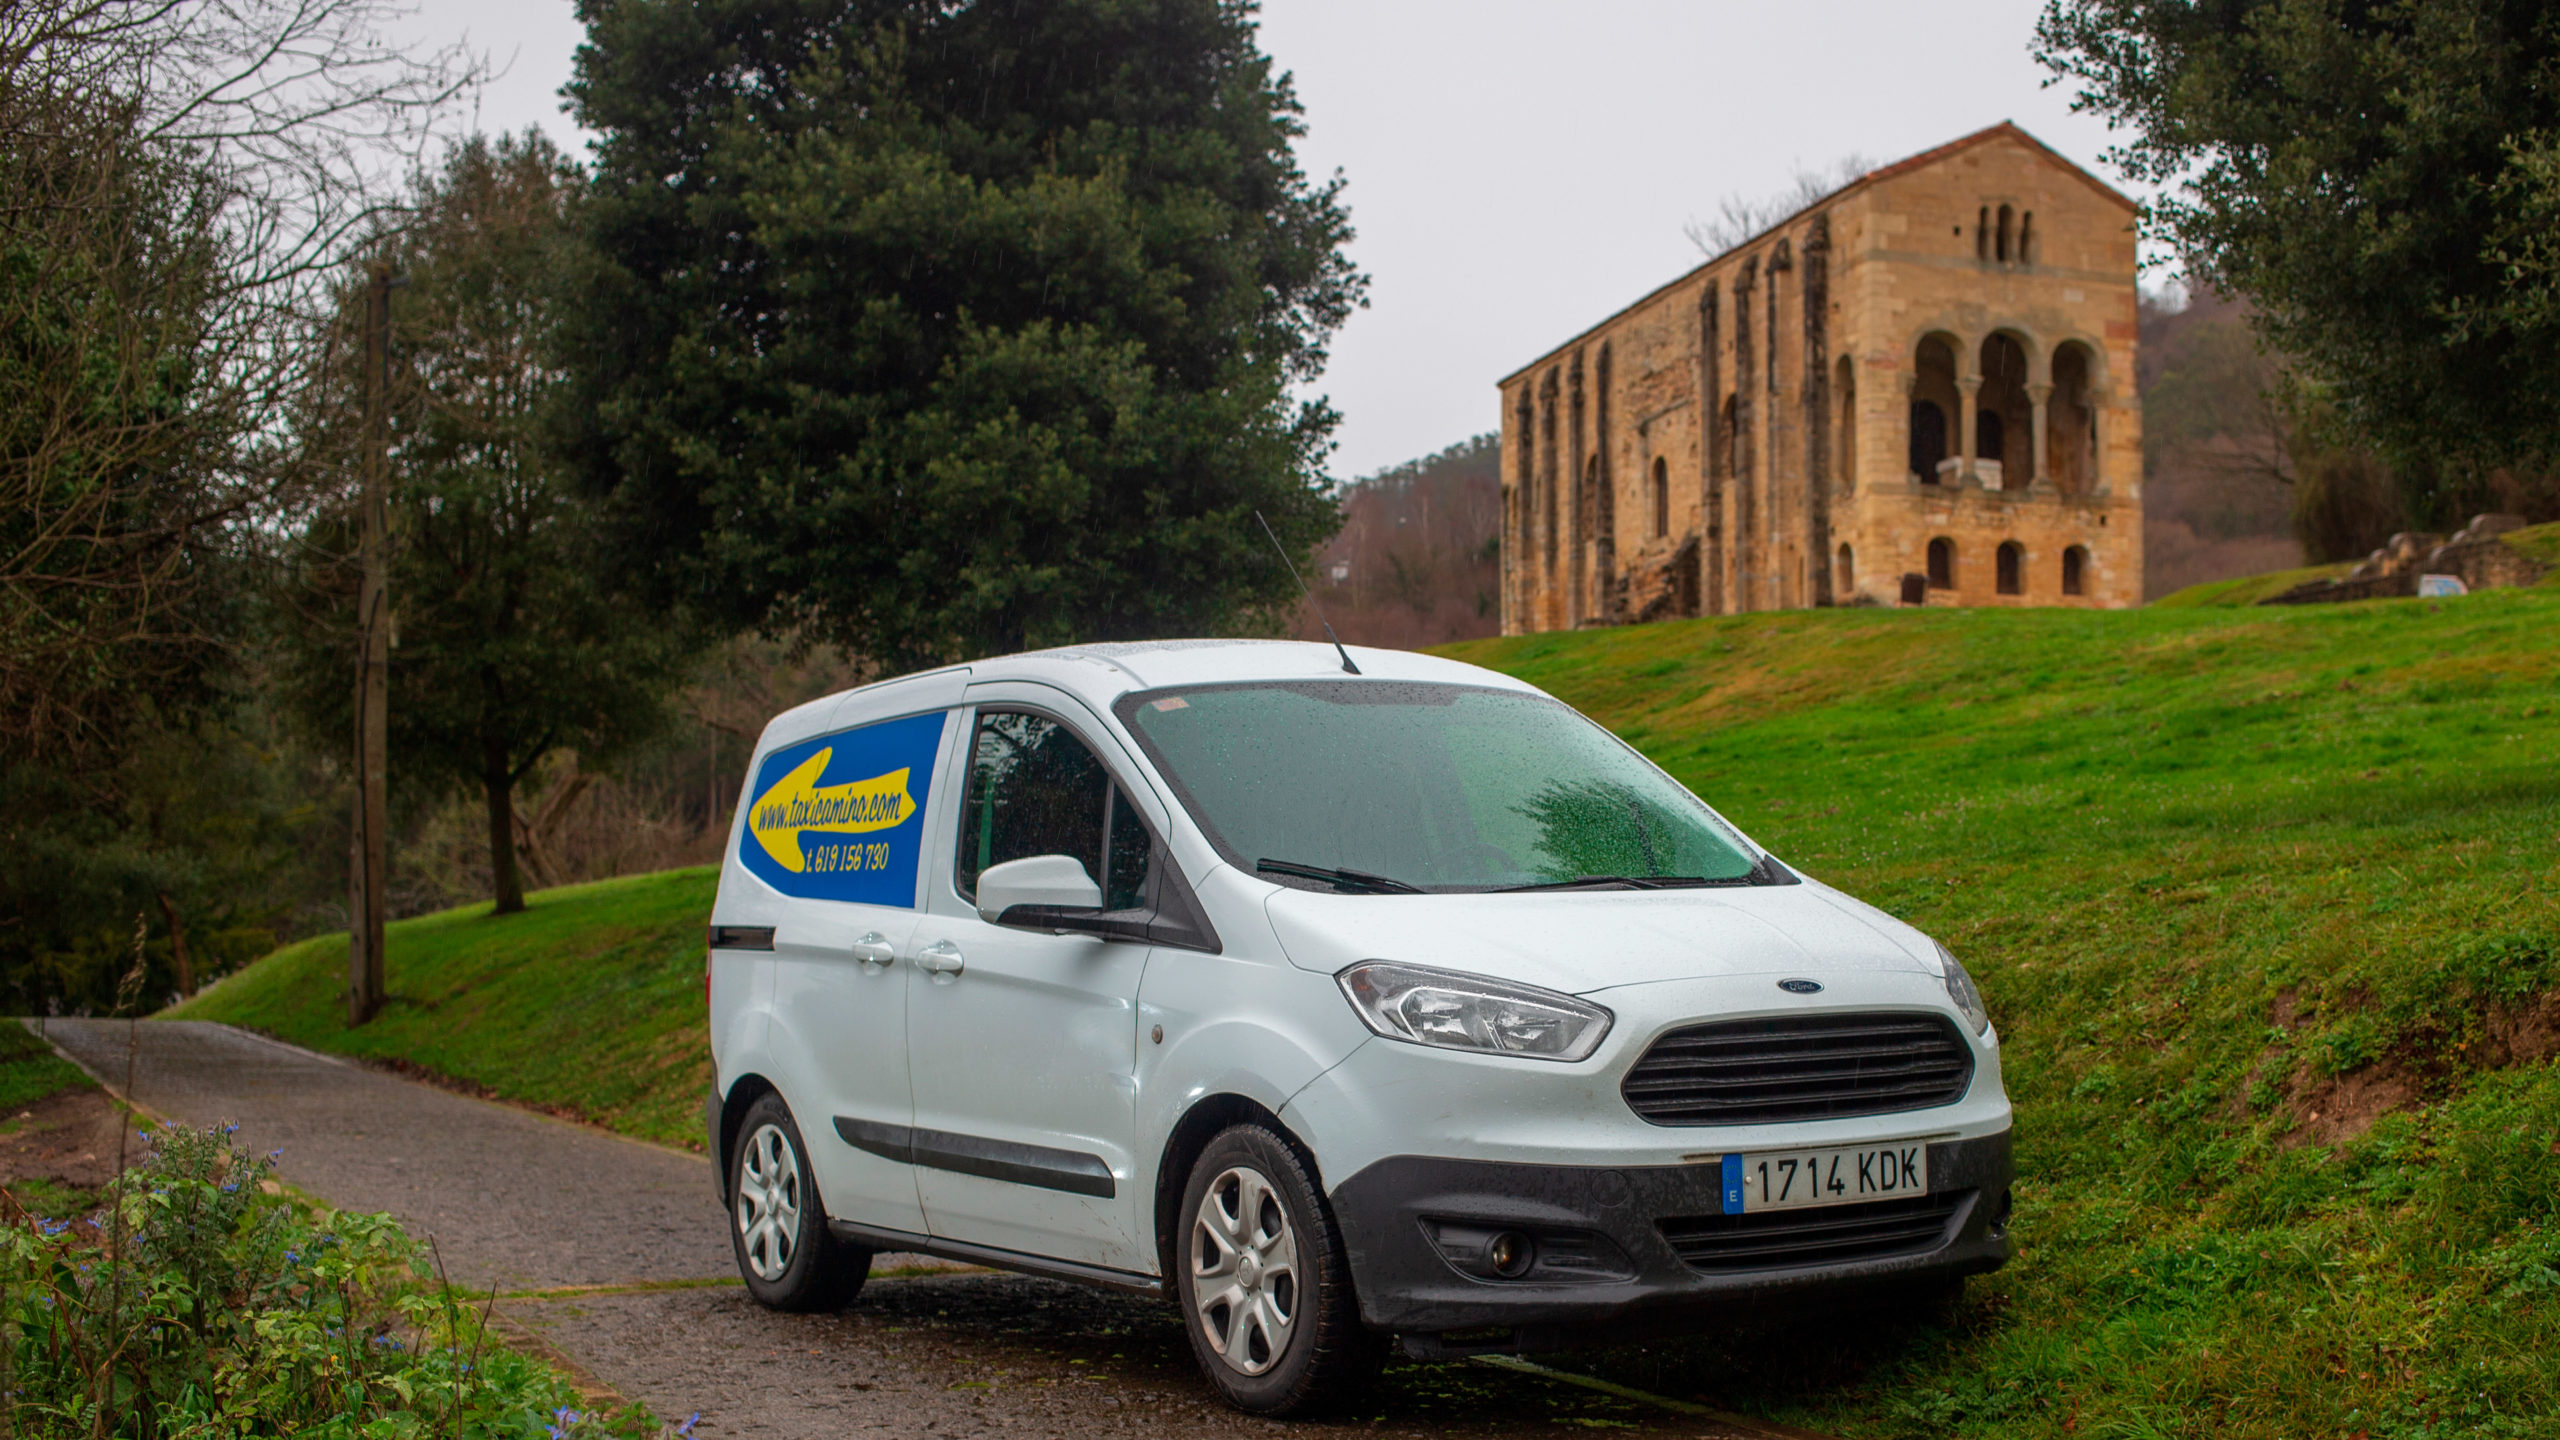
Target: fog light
1510 1254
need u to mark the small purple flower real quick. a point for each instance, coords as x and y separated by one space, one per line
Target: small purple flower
685 1430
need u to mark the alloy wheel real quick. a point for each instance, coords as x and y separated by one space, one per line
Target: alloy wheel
769 1203
1244 1271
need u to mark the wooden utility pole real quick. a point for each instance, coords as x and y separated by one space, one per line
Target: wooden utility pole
369 870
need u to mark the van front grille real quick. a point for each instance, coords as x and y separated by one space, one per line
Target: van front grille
1829 1235
1800 1067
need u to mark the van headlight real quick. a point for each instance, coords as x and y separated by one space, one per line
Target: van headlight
1961 989
1456 1011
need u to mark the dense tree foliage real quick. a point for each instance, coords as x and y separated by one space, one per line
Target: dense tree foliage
513 640
937 329
2379 181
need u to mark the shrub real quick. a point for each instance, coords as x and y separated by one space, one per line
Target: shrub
197 1302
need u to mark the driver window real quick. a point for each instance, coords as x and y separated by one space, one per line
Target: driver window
1035 789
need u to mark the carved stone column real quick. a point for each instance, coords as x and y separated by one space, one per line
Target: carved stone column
2037 395
1968 389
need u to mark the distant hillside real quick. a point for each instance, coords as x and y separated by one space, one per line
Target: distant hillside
1419 559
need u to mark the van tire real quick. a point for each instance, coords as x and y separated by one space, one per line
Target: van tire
1327 1356
795 1263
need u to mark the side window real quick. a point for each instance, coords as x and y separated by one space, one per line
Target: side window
1034 789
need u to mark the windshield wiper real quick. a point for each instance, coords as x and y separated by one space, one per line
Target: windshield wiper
1359 882
1764 871
1623 882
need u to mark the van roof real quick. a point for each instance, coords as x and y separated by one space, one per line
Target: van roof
1100 674
1107 671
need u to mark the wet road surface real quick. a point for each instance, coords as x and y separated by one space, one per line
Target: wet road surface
613 1251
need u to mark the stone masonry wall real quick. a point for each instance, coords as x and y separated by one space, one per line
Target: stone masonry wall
1628 496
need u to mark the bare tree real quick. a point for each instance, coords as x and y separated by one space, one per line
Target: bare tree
1739 216
176 180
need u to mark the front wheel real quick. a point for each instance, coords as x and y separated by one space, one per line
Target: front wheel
778 1225
1264 1282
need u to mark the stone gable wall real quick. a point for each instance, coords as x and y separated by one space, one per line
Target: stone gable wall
1712 448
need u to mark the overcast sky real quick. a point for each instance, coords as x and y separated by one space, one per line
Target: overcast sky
1517 171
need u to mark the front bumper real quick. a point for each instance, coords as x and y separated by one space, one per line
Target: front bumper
1415 1226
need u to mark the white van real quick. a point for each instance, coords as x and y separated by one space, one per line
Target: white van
1339 1006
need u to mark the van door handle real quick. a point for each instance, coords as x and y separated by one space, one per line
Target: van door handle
941 960
874 951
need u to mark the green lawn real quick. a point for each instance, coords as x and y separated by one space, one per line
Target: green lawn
2248 589
2264 901
30 1071
589 1002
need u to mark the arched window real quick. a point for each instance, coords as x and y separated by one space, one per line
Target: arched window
1990 440
1661 497
1934 400
1982 234
1844 572
2027 238
2011 560
1730 435
2070 439
1942 564
2002 414
1928 440
2075 570
2006 250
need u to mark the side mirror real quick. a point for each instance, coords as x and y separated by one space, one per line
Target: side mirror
1057 881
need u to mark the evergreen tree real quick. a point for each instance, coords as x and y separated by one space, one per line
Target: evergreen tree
938 330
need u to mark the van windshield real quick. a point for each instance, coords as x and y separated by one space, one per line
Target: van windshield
1377 786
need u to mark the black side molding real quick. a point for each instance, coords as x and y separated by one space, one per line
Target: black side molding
741 937
880 1238
1068 1170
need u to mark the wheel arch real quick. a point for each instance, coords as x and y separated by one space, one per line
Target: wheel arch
744 1092
1191 1134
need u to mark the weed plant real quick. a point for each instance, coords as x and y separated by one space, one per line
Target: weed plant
196 1303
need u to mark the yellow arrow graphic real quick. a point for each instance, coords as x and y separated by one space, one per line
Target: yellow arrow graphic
797 802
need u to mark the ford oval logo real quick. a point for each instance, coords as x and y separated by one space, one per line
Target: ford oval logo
1801 987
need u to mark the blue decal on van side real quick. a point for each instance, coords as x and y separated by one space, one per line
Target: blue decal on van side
841 817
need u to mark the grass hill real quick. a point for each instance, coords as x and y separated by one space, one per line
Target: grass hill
2266 903
588 1004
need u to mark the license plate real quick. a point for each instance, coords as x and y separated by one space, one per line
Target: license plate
1799 1179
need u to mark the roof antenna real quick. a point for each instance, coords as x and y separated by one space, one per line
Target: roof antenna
1347 666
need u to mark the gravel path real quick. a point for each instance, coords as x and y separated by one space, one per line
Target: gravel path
628 1240
514 1200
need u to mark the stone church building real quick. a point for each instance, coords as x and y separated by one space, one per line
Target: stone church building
1917 390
